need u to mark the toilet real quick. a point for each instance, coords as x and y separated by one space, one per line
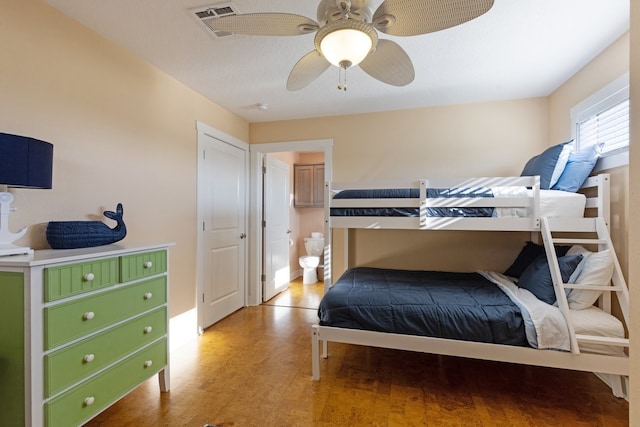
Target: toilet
314 246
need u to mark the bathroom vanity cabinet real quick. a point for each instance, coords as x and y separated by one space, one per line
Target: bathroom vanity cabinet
308 185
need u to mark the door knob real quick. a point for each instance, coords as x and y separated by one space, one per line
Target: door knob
243 235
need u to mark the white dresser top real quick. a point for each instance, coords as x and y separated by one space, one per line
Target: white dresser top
53 256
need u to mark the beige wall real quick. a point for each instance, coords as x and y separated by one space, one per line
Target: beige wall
424 142
605 68
122 132
608 66
485 139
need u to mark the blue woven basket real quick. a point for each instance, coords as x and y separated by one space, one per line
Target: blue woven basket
85 234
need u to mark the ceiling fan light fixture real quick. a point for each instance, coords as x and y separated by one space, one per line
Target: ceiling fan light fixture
346 43
342 47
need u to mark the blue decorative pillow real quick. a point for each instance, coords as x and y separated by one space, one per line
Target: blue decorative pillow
529 253
578 168
537 277
549 164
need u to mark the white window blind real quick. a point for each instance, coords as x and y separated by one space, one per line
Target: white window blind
604 118
610 127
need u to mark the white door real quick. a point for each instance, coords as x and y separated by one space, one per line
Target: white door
277 200
222 208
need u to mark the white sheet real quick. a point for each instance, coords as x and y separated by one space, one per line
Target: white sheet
593 321
553 203
502 192
545 326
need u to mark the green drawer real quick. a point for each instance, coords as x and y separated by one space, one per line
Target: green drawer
144 264
74 279
80 404
71 364
74 319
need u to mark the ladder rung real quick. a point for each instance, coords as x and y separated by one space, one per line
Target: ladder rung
583 241
594 339
592 287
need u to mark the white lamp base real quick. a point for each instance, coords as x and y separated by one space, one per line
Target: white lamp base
6 237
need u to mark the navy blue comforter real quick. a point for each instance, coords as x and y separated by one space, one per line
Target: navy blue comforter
413 193
461 306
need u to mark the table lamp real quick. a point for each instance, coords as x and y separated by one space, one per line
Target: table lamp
24 163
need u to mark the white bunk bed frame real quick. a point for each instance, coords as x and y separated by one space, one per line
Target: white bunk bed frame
613 369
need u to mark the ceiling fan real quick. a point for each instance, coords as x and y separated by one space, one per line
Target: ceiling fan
347 34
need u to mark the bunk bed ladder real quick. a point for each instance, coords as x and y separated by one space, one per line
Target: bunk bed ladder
617 284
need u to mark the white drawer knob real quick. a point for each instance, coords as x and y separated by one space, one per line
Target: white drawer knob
88 401
148 329
88 315
148 264
148 364
88 358
89 277
148 295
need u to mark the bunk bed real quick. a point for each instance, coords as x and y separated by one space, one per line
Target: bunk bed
590 338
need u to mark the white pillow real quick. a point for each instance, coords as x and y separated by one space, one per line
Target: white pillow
563 159
596 268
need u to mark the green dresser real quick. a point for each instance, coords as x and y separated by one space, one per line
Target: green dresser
81 328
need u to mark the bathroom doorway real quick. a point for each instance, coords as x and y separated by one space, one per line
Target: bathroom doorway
303 220
293 220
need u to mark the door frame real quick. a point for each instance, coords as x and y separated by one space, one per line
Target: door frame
202 130
256 151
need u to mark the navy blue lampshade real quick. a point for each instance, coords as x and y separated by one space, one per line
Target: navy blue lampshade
25 162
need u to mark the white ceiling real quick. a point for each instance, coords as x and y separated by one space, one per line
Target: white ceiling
519 49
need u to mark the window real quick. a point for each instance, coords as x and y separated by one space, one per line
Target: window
604 118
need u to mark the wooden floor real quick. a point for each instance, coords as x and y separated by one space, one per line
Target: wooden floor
254 369
299 295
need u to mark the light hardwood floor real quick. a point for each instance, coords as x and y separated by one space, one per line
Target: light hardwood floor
299 295
253 368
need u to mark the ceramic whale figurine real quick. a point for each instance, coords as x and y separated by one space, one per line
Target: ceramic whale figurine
85 234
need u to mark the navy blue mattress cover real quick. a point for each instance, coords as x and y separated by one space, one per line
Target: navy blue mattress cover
413 193
461 306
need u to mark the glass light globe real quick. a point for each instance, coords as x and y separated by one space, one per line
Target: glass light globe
346 47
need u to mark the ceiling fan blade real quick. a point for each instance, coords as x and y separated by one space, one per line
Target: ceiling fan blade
265 24
390 64
306 70
414 17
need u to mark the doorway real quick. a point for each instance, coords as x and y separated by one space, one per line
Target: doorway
257 249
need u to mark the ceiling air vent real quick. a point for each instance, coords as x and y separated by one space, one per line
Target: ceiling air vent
205 14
